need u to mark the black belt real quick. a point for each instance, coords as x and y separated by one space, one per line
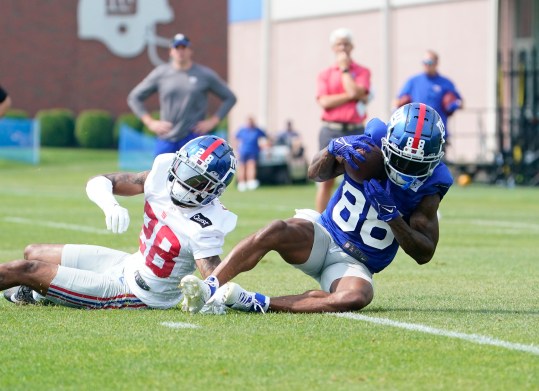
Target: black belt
344 126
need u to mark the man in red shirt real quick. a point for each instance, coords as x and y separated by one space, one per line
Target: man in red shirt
342 92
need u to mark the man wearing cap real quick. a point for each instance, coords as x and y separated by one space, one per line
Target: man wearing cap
342 89
183 88
432 89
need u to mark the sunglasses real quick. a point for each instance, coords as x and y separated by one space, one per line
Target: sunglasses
428 62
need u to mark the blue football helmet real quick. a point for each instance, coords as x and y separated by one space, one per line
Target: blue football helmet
201 171
412 147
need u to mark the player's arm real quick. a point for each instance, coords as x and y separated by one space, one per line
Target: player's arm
206 266
102 188
325 166
419 238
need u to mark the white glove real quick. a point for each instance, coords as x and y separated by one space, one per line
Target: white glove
117 219
99 190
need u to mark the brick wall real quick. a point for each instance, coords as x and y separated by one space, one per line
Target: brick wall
43 63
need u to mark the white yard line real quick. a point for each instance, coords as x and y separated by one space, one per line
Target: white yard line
179 325
51 224
479 339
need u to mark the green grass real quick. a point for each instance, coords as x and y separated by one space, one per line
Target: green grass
484 280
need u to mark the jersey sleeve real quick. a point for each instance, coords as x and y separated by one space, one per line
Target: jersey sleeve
208 241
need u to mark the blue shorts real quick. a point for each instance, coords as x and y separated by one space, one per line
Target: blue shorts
166 146
245 156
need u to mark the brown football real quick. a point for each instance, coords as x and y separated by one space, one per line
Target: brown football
371 168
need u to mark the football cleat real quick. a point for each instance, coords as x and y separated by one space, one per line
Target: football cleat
20 295
195 293
239 299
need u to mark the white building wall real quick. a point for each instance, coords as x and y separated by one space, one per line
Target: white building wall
462 32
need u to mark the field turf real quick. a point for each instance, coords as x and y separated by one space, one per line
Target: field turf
468 320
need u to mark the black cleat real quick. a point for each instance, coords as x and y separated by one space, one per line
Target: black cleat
20 295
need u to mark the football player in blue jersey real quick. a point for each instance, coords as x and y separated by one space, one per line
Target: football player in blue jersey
359 232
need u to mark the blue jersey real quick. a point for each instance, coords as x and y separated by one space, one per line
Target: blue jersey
429 90
353 222
248 140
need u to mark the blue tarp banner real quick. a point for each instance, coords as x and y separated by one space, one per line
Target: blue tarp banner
135 150
19 140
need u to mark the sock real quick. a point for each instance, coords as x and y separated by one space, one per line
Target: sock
264 302
213 283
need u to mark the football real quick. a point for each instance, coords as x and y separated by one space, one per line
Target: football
371 168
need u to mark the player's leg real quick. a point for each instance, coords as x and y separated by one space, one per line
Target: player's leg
85 257
346 283
48 253
29 275
291 238
92 290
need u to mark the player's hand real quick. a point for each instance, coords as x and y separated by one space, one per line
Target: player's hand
117 219
346 146
381 200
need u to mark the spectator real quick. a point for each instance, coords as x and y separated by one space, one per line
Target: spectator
432 89
250 138
5 102
340 88
292 139
183 88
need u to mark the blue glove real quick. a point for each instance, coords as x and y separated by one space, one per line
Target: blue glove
346 146
381 200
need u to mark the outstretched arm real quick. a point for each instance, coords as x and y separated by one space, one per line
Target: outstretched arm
102 188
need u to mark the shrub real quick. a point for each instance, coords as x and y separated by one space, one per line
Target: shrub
94 129
130 120
57 127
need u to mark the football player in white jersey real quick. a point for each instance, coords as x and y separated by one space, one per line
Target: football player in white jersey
184 228
359 232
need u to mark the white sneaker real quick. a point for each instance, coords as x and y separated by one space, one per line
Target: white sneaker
252 185
195 293
242 186
239 299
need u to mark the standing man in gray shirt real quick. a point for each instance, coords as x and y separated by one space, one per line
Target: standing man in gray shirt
183 88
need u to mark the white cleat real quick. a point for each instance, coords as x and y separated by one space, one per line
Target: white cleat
195 293
239 299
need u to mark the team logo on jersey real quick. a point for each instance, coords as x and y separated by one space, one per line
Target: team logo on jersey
202 220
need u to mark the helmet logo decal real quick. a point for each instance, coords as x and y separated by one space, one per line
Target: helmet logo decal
125 27
211 148
419 125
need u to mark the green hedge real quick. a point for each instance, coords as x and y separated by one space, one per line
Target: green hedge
57 127
94 129
130 120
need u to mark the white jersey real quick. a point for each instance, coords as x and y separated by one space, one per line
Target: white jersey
171 239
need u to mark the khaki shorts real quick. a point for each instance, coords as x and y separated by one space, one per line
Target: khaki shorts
327 261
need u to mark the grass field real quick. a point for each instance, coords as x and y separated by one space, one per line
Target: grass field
468 320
